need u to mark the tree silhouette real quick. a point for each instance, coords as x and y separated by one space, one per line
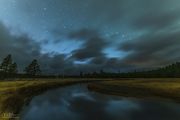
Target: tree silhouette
8 68
6 64
81 74
13 68
33 68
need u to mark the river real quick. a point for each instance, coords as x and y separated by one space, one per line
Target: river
78 103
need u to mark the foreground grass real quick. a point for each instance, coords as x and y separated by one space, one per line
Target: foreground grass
142 88
15 94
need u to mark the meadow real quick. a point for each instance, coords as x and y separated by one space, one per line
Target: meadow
15 94
149 88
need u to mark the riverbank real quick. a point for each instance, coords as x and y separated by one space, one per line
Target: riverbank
167 88
15 94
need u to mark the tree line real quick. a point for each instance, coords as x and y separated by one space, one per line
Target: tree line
171 71
8 68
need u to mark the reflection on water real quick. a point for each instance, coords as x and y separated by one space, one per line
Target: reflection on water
77 103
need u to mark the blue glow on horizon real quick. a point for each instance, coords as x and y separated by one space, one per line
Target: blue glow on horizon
114 53
82 62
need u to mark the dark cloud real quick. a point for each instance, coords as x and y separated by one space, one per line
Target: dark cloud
22 47
92 48
93 44
153 49
84 34
157 19
152 27
25 49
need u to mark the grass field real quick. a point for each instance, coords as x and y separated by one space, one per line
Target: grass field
166 89
15 94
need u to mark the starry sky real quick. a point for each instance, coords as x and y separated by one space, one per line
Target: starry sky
89 35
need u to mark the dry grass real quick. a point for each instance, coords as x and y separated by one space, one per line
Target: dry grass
15 94
143 88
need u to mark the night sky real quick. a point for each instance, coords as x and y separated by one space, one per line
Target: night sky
89 35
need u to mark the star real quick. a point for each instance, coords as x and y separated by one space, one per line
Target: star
45 9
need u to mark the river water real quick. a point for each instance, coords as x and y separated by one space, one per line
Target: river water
78 103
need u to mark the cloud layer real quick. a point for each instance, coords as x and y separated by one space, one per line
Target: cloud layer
145 34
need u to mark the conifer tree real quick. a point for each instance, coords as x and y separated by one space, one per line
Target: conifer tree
6 64
33 68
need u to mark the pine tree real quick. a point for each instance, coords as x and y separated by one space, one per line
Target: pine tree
6 64
33 68
13 68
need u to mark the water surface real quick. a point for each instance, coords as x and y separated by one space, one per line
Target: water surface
77 103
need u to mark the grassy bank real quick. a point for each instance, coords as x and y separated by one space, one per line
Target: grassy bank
141 88
15 94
